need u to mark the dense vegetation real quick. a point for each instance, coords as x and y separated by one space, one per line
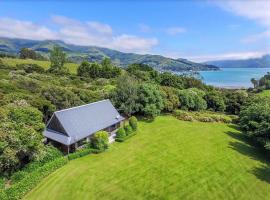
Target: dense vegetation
166 159
31 90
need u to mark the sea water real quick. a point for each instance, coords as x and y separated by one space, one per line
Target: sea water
233 77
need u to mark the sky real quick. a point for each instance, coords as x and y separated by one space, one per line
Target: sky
199 30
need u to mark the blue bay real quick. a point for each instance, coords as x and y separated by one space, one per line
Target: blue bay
233 77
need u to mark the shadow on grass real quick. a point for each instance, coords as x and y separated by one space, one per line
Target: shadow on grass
262 173
247 147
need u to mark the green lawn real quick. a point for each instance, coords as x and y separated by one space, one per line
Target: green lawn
45 64
167 159
265 93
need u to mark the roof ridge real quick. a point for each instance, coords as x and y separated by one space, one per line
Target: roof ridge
81 105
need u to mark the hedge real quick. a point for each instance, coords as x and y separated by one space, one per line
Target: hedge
125 138
133 122
128 130
19 189
79 153
203 116
121 132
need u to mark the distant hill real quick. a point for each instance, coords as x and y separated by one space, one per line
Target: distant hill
92 53
262 62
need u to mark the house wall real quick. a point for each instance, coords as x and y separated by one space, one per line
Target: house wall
71 148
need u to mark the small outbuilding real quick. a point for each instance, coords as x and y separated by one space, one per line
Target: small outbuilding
70 128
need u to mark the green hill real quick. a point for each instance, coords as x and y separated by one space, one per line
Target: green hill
167 159
78 53
262 62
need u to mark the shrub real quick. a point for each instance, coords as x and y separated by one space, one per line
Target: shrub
2 184
121 133
254 120
3 195
128 129
125 138
100 140
30 68
19 175
192 99
202 116
133 122
18 190
79 153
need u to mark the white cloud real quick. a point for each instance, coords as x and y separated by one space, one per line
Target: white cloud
24 29
175 30
76 32
228 56
255 10
258 11
129 42
99 27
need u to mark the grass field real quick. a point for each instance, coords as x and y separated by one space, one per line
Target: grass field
265 93
167 159
46 64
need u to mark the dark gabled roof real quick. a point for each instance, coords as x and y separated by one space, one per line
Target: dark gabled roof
73 124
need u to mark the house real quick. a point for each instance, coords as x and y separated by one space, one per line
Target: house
68 129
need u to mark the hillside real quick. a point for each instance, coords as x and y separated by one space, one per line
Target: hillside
167 159
262 62
78 53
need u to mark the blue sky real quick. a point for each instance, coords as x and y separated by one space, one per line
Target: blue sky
197 30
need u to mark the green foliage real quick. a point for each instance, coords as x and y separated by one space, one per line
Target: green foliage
95 70
128 129
192 99
133 122
61 97
121 133
79 153
125 97
30 68
171 80
20 136
215 101
125 138
255 119
202 116
26 53
150 100
170 98
19 189
100 140
263 83
58 59
234 101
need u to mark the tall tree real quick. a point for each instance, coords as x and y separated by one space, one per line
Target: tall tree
57 58
254 82
125 97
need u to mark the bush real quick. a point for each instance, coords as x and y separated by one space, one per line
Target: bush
100 140
254 120
192 99
19 175
203 116
125 138
121 133
133 122
79 153
30 68
128 129
3 195
18 190
2 184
